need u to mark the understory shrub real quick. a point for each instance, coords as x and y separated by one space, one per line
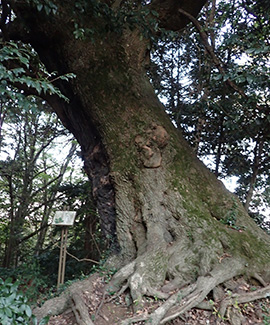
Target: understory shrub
14 307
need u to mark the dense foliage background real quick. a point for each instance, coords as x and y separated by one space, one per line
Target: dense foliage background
214 81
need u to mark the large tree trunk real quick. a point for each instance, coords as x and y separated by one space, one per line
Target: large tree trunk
164 214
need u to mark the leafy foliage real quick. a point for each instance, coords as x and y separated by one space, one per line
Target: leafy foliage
32 279
46 5
224 116
14 307
21 68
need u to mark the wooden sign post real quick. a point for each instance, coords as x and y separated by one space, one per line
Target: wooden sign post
64 219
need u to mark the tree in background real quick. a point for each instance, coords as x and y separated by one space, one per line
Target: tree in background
215 84
30 176
39 174
171 226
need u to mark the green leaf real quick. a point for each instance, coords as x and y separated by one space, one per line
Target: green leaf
39 6
14 308
250 50
250 79
18 71
34 320
8 281
24 61
11 298
28 311
20 320
51 88
23 308
38 87
7 311
44 320
47 9
5 319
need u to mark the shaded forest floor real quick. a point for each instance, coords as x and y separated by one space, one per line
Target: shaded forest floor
112 310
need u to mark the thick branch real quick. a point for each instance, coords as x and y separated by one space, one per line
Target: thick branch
258 150
82 259
32 234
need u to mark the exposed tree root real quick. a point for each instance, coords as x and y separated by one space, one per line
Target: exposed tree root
257 277
121 276
69 298
80 310
189 297
236 299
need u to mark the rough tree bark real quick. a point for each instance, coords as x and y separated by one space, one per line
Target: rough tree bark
163 213
258 150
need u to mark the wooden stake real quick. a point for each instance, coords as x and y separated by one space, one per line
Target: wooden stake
62 257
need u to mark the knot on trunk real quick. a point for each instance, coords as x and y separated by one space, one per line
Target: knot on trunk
151 144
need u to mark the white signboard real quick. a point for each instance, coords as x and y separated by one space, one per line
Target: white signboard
64 218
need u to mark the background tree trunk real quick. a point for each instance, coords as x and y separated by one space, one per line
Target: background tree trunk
50 197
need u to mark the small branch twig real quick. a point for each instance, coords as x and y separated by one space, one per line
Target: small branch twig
91 234
82 259
118 294
101 304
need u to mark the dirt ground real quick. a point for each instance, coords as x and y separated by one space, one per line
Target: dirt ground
112 310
